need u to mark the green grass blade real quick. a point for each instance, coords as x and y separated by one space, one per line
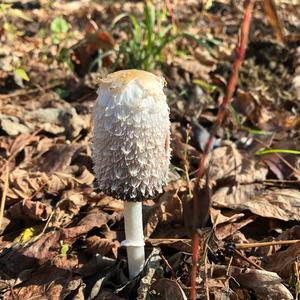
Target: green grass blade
268 151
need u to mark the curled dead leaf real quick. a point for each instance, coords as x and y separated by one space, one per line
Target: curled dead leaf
25 185
102 246
282 262
57 158
33 210
283 204
166 289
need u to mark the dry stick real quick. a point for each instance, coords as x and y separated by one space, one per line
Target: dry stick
272 16
165 241
4 193
220 117
24 92
265 244
240 255
171 12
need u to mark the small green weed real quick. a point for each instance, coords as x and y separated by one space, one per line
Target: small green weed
61 36
8 15
146 39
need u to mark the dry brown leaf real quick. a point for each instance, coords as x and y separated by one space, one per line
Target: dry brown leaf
228 162
12 147
168 209
86 50
267 285
282 262
13 126
57 120
205 57
34 210
48 245
57 158
218 217
53 281
92 220
34 254
108 203
108 295
102 246
67 207
166 289
194 67
179 244
283 204
25 185
292 233
227 226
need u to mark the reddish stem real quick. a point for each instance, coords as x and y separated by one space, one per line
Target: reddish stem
171 12
219 120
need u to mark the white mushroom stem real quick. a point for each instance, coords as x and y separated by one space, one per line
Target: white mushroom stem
134 242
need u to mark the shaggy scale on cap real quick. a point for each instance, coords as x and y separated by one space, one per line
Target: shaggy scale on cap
131 148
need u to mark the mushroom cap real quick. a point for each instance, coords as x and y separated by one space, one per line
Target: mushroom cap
131 136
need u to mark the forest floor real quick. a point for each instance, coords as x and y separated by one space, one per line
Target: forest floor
60 237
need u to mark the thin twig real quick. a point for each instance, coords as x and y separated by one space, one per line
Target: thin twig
171 12
265 244
166 241
159 242
24 92
4 193
48 222
248 260
169 266
219 120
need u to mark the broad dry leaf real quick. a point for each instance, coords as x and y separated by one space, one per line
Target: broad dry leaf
92 220
97 245
282 262
13 126
266 285
30 210
31 256
25 185
168 209
194 67
67 207
229 163
108 295
227 226
57 120
10 148
218 217
53 281
182 245
165 289
57 158
283 204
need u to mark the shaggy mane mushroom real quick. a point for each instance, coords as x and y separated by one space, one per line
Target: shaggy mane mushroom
131 149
